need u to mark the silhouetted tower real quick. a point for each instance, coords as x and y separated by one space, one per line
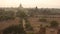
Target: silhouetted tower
36 8
20 6
36 11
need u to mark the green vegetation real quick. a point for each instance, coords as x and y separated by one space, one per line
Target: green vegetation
6 15
54 24
14 29
23 16
28 26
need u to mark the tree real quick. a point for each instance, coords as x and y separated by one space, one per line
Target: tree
23 20
22 15
14 29
54 24
28 25
6 15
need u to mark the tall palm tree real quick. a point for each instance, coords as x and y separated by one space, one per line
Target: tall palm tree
24 20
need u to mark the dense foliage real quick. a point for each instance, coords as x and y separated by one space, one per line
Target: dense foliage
28 25
15 29
21 14
6 15
54 24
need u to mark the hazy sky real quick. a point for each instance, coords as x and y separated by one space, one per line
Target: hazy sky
31 3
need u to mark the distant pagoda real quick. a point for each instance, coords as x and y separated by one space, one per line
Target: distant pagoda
20 6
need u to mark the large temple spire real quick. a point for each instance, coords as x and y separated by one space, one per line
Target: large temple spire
20 6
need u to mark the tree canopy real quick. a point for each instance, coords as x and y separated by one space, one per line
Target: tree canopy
5 15
54 24
14 29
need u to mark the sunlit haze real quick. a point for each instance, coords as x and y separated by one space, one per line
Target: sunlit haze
31 3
